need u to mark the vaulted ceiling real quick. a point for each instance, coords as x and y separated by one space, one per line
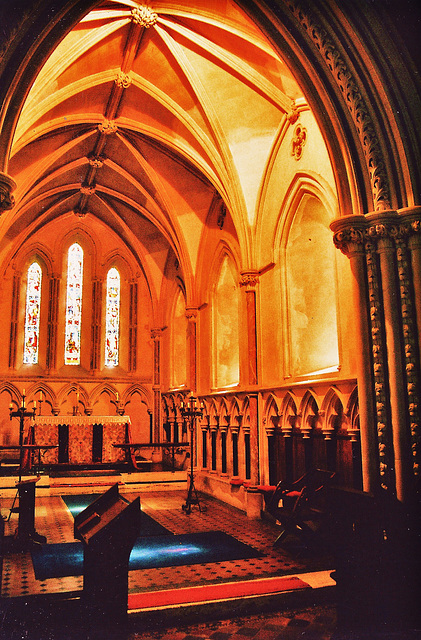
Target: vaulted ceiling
149 119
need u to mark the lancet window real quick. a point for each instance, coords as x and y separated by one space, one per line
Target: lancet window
74 304
112 319
32 312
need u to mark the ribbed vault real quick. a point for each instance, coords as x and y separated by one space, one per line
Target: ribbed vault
152 121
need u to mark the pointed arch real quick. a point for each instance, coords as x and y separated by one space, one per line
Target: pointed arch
225 323
112 318
32 314
308 292
74 287
179 340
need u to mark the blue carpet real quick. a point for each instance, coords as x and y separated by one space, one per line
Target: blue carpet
148 527
66 559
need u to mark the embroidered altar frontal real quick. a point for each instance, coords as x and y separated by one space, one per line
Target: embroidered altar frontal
82 439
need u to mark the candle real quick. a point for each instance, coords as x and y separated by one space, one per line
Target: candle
40 396
117 397
23 393
11 406
35 404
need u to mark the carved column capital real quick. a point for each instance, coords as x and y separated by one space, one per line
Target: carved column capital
349 234
249 279
7 185
191 314
156 333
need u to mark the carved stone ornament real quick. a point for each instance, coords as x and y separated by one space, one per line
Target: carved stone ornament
354 100
87 190
344 238
123 80
249 280
79 213
144 16
221 216
293 116
156 334
107 127
7 184
191 314
96 161
298 141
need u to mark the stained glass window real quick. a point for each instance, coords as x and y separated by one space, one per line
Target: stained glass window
73 304
32 310
112 318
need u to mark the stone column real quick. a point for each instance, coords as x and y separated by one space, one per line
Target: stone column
254 498
14 321
249 280
349 235
96 325
53 305
133 326
392 253
156 337
191 315
408 241
410 218
380 230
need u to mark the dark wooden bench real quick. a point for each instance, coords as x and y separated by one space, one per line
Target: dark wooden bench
299 507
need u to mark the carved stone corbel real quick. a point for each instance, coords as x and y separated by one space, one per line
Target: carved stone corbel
7 185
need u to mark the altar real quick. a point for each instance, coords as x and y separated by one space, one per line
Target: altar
81 439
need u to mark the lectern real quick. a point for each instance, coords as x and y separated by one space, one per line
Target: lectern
26 524
108 529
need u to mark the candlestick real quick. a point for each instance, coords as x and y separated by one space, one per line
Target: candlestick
190 413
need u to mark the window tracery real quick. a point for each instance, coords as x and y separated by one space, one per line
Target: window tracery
112 318
32 312
74 304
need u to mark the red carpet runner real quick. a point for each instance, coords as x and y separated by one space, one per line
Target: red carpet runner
214 592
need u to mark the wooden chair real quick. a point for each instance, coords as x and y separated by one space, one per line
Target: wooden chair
299 507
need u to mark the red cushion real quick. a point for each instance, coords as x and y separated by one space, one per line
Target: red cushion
266 488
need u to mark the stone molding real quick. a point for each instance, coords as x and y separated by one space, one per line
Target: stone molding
354 100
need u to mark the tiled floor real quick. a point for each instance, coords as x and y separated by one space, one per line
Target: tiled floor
55 522
21 592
